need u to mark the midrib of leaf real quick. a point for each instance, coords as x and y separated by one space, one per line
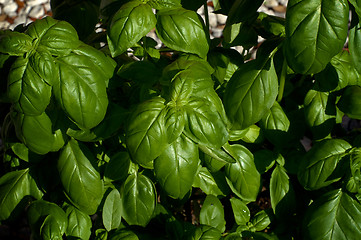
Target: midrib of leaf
12 187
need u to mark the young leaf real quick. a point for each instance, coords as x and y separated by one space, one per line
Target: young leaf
182 30
320 162
81 181
146 136
79 223
241 212
260 221
112 213
45 218
57 37
250 92
15 43
138 199
176 167
212 213
283 197
132 22
335 215
81 90
316 31
14 186
204 125
242 176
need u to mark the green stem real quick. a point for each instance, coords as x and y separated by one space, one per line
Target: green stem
282 81
206 14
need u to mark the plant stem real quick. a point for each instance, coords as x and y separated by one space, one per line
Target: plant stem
282 80
206 14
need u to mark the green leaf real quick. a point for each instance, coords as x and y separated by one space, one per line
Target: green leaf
314 33
242 176
241 212
176 167
123 234
354 43
112 212
320 112
57 37
206 182
204 125
118 167
79 223
182 87
243 10
354 183
79 177
212 213
182 30
81 90
251 92
164 4
138 200
264 160
357 5
14 186
129 24
47 219
29 83
15 43
283 199
240 34
175 120
260 221
146 136
218 155
349 102
335 215
36 132
320 162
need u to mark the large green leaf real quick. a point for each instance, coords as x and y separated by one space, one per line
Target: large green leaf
138 199
175 120
242 176
47 220
79 223
354 43
15 43
57 37
80 179
14 186
320 162
132 22
251 92
112 212
212 213
316 31
29 83
320 112
335 215
206 182
357 5
37 133
241 212
349 102
176 167
182 30
146 136
243 10
81 90
204 124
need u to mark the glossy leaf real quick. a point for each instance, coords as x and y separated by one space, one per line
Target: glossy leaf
123 234
242 176
14 186
260 221
29 83
212 213
320 162
129 24
146 136
349 102
335 215
182 30
165 4
354 43
36 132
57 37
15 43
138 200
241 212
357 5
112 213
316 31
251 92
175 120
79 177
205 181
45 218
81 90
176 167
204 125
79 223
